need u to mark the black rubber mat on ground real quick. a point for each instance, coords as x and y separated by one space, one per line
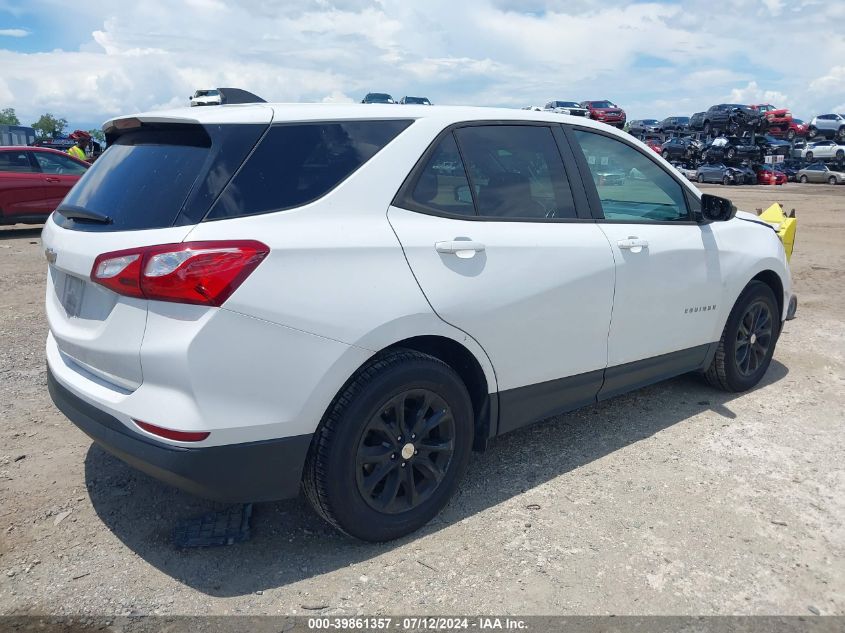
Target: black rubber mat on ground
226 527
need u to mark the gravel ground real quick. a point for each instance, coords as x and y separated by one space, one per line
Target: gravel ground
677 499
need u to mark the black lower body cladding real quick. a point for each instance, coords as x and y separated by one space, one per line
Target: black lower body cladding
236 473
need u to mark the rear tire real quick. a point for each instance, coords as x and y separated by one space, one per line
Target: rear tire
840 154
381 420
748 341
811 132
790 135
803 179
808 156
700 178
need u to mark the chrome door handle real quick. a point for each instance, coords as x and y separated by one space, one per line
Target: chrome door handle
633 244
462 248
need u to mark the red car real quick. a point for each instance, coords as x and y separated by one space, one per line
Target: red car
776 117
606 112
654 144
796 128
33 181
768 176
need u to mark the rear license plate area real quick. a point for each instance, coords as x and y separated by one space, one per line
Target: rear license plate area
72 293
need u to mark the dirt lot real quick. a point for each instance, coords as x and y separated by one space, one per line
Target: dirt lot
674 500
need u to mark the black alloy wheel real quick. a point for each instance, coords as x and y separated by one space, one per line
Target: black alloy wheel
808 156
748 340
405 451
392 447
840 154
754 337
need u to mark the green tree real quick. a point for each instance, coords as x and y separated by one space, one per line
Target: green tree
97 135
8 117
49 126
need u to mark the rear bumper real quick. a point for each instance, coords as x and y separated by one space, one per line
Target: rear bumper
234 473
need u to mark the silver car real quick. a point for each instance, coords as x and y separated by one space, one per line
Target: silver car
829 125
819 149
819 172
566 107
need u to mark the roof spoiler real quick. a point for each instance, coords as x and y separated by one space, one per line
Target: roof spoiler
236 95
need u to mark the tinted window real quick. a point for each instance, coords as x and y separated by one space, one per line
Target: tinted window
442 184
57 164
15 161
630 185
161 176
516 171
296 164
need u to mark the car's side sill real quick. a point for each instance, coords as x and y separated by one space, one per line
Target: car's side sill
524 405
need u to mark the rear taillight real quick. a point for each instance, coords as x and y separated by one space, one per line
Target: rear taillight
204 273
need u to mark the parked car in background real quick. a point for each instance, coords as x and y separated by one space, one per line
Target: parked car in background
795 129
774 116
819 172
828 126
606 112
572 108
819 149
415 101
768 175
377 97
654 144
771 146
639 127
732 118
732 148
689 172
205 98
721 173
33 181
790 167
681 148
696 122
674 124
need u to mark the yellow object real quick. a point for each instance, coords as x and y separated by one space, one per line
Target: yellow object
77 152
784 225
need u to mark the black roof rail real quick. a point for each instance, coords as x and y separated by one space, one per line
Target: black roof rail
236 95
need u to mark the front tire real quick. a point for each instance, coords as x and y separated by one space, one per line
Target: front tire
803 179
808 156
790 135
726 180
748 340
392 447
700 178
831 180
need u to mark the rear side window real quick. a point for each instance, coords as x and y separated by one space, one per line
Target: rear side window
160 176
298 163
516 172
57 164
15 162
442 184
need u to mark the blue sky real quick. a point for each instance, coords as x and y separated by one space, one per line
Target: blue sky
99 58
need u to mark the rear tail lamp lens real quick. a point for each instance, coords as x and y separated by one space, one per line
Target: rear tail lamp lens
204 273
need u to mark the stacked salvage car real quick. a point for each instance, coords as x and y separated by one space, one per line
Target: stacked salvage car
747 144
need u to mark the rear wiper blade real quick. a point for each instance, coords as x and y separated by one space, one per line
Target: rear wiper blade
72 212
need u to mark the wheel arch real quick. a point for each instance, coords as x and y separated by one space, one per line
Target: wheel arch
466 365
773 280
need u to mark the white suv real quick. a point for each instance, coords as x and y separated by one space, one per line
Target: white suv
246 299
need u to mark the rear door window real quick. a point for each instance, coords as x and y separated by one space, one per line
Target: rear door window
16 161
516 171
57 164
298 163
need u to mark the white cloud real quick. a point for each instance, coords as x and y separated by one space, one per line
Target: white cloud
653 58
13 32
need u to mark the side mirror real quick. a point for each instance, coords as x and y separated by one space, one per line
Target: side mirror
716 208
463 194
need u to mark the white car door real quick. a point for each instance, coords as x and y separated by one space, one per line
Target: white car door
668 275
494 238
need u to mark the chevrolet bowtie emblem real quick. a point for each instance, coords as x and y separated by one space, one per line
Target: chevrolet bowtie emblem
50 254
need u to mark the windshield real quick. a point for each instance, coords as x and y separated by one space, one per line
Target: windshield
566 104
601 104
206 93
418 100
651 121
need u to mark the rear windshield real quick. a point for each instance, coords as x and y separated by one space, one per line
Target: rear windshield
160 176
297 163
